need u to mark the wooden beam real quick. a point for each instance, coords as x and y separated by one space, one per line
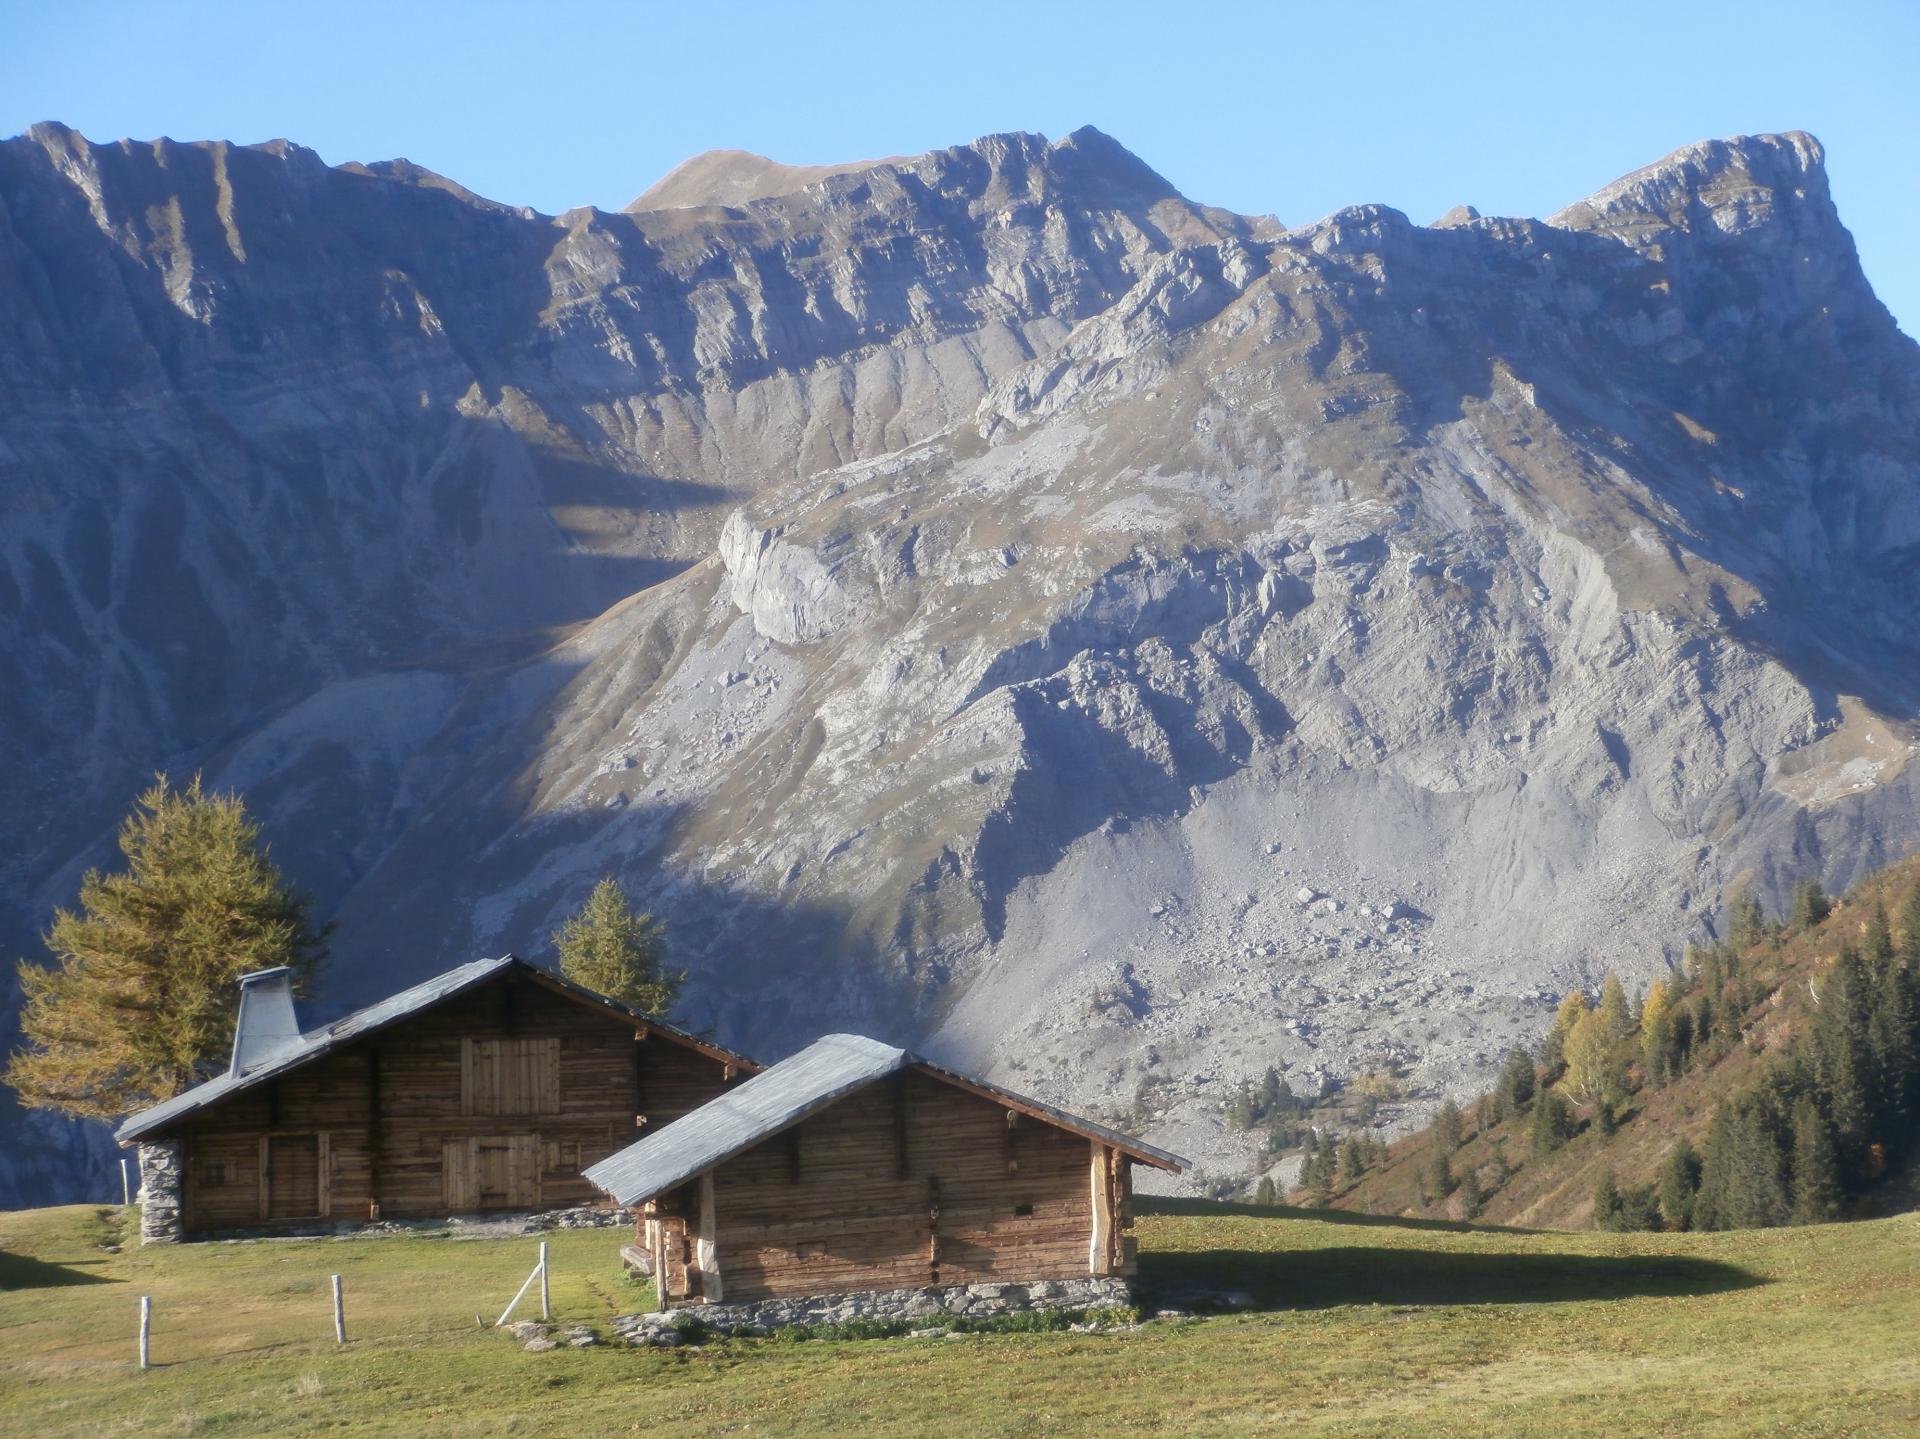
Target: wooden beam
1100 1237
707 1247
901 1168
323 1181
374 1134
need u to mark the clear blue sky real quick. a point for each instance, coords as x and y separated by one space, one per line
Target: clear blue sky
1285 108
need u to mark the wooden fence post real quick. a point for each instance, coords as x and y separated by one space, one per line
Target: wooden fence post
339 1314
126 1186
146 1326
546 1305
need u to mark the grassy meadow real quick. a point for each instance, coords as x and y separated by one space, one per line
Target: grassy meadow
1359 1326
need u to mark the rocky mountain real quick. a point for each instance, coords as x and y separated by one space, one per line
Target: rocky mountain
983 598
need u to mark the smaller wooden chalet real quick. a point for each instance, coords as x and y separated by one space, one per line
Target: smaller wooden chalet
855 1166
490 1087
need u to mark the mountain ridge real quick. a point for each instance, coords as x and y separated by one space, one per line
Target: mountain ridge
1004 579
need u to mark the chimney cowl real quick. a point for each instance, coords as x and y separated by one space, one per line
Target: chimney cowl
266 1027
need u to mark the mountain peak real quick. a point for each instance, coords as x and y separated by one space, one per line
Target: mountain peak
1728 186
737 177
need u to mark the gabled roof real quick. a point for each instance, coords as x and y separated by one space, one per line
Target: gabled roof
315 1042
778 1098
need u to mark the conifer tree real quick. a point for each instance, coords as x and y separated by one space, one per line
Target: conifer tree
1588 1052
1606 1202
1264 1192
140 999
1272 1092
1816 1169
1843 1062
1876 946
1743 1178
1473 1198
1615 1010
1448 1127
1746 921
1810 905
1439 1176
1515 1090
1239 1108
1318 1175
1352 1160
609 949
1573 1008
1679 1182
1550 1125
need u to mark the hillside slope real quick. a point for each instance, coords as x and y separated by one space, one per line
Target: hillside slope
1771 997
974 597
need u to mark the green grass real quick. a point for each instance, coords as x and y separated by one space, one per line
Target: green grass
1361 1327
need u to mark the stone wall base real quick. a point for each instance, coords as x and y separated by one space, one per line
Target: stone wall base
161 1179
972 1301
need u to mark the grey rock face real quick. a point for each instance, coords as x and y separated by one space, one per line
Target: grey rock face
974 597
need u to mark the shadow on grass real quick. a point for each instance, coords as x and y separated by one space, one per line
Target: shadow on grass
18 1271
1356 1274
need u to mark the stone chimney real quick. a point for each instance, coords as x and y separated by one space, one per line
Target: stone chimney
266 1028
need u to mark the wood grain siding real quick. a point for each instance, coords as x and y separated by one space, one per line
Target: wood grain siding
496 1098
908 1182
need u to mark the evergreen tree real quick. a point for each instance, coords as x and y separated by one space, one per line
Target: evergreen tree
1746 921
1743 1175
1273 1094
1816 1169
1439 1176
1679 1182
1448 1127
1876 947
610 950
140 999
1843 1063
1318 1175
1550 1126
1660 1047
1352 1160
1909 946
1264 1192
1239 1108
1515 1089
1472 1197
1810 905
1502 1166
1606 1202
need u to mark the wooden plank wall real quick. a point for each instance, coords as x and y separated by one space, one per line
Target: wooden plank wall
911 1182
509 1090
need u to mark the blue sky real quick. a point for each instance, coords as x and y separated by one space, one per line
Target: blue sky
1280 107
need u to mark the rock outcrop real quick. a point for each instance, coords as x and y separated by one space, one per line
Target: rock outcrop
974 596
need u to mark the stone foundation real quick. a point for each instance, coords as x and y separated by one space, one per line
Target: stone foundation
160 1183
930 1306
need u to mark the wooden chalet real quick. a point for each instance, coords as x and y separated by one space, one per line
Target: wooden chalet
855 1166
491 1087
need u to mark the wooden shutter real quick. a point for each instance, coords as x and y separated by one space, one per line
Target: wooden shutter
503 1077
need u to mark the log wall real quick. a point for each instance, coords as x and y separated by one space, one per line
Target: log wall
909 1182
495 1099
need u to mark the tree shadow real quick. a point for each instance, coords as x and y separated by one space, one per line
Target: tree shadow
20 1271
1361 1274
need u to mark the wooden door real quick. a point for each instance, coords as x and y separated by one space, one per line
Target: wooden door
506 1172
293 1176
